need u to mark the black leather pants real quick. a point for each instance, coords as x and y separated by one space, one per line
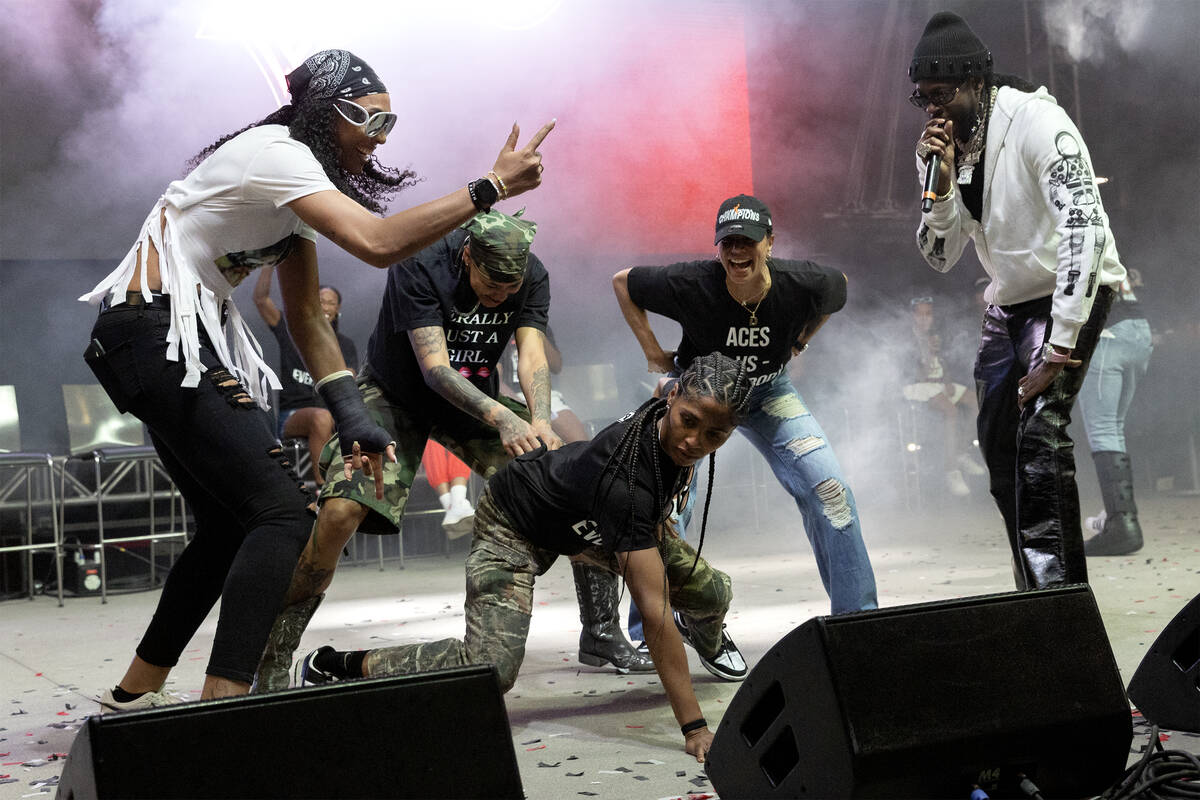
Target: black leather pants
1030 457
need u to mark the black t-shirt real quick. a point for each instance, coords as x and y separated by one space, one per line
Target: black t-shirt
694 295
972 192
433 288
297 391
561 501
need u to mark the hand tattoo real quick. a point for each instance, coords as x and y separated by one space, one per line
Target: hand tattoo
509 425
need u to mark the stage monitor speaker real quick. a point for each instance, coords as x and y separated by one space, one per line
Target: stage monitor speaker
1166 685
440 734
930 700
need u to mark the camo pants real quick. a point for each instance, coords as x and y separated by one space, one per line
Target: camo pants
501 569
472 441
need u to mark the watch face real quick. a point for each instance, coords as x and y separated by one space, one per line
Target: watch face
485 193
1052 355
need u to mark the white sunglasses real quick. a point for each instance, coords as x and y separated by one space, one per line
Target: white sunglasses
378 124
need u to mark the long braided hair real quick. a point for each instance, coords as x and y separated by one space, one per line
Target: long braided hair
716 376
311 121
725 380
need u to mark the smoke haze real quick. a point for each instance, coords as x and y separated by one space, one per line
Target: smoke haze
663 108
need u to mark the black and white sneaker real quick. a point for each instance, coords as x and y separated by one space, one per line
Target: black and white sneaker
308 674
727 664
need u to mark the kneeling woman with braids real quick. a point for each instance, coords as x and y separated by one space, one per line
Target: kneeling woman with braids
161 345
606 499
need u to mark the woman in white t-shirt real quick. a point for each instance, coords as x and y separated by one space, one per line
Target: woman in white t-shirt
170 347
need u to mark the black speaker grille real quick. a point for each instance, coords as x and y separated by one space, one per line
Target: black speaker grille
765 711
927 700
781 757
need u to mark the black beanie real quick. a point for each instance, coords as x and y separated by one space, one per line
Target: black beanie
949 50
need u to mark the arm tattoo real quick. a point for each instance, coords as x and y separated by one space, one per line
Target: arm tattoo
539 402
428 341
447 382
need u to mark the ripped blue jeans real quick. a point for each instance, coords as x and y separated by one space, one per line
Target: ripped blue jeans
780 426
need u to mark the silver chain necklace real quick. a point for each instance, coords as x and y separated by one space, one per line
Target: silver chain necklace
972 151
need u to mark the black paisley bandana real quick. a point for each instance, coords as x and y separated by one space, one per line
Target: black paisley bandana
333 73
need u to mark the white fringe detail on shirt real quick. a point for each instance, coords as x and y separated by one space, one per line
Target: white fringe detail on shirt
191 300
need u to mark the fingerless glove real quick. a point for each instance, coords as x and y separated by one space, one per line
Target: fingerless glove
350 414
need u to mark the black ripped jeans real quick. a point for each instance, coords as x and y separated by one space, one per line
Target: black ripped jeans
250 508
1030 457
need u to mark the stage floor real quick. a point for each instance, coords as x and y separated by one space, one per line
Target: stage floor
578 731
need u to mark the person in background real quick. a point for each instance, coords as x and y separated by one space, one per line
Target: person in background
1118 365
448 476
948 400
565 422
301 413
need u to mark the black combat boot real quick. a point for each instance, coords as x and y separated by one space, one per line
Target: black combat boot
601 641
1121 534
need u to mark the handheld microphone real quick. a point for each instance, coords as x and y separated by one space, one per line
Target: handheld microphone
929 191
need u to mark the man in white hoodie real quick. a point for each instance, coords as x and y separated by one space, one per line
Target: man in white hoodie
1014 175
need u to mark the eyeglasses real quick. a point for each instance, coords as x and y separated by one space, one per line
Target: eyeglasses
378 124
938 97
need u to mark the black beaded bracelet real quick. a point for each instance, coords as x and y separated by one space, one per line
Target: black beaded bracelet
694 725
483 194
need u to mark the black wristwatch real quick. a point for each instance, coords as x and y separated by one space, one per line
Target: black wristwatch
483 194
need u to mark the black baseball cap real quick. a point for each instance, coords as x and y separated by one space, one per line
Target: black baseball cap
743 216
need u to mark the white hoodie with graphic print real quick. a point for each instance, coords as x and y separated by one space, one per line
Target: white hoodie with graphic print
1044 231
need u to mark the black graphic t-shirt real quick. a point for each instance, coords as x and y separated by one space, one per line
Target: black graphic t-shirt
560 500
694 295
433 288
297 391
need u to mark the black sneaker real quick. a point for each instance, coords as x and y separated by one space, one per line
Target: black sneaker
308 674
727 664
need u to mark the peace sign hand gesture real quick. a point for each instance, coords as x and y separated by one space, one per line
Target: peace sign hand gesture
520 170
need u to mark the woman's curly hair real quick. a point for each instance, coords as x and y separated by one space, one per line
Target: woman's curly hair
312 121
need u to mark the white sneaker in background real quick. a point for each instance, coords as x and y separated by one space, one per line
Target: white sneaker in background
1095 524
955 483
459 519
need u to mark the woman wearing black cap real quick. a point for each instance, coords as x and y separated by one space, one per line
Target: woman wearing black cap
761 310
170 347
